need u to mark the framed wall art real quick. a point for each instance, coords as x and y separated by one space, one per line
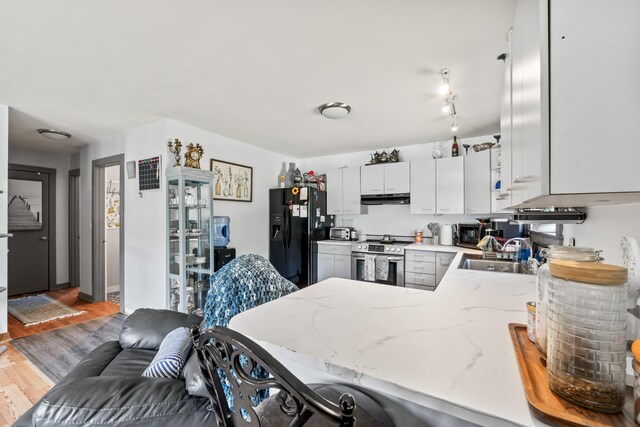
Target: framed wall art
149 174
232 182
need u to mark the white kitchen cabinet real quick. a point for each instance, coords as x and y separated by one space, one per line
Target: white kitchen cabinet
390 178
477 182
343 192
575 103
425 269
423 187
501 155
397 178
351 192
443 262
450 185
595 96
342 266
334 260
334 191
372 180
326 266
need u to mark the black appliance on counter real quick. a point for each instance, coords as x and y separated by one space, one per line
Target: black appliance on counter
222 256
296 222
469 235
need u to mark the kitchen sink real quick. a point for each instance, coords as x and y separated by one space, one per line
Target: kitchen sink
476 263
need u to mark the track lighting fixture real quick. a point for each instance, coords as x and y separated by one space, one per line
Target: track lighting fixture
449 106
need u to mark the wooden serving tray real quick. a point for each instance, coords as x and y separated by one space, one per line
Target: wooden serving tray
548 406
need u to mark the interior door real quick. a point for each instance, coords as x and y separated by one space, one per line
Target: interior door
28 221
74 230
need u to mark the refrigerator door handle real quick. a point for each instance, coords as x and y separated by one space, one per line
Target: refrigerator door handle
289 216
285 225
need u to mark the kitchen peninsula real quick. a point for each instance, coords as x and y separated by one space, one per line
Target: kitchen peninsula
447 350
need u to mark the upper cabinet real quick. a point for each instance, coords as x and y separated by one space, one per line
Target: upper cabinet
595 96
477 182
450 185
423 187
390 178
372 180
397 178
343 192
334 191
575 103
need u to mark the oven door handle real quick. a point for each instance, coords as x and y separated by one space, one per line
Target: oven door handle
391 259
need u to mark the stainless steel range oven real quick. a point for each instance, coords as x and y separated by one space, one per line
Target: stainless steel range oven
394 253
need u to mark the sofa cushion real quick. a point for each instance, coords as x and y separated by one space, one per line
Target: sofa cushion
192 376
130 362
171 356
146 327
123 401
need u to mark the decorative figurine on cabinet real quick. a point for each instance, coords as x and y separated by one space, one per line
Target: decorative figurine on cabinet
174 148
193 155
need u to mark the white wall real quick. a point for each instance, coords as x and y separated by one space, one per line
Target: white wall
60 162
4 160
393 219
604 228
144 218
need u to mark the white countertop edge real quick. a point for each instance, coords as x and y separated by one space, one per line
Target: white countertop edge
335 242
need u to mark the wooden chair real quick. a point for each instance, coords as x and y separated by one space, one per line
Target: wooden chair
227 354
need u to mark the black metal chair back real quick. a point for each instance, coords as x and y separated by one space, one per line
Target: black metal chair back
226 354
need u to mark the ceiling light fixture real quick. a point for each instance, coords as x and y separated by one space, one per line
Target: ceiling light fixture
444 88
335 110
57 135
449 106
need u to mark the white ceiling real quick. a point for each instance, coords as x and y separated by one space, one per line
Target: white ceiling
253 71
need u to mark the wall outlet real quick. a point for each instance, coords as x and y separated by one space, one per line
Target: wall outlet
572 241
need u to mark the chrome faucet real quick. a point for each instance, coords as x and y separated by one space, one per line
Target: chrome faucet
531 264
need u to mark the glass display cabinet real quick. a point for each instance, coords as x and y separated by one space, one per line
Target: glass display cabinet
189 238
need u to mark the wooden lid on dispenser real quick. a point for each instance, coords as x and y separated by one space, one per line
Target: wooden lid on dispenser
588 272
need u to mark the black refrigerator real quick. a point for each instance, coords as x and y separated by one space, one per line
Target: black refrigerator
297 219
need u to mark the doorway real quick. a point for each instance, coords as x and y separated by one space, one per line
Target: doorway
108 230
31 220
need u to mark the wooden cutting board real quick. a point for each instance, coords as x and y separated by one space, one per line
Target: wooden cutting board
546 405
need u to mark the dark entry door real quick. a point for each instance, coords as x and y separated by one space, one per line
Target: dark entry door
28 221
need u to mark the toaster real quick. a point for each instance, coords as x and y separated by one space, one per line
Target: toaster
342 233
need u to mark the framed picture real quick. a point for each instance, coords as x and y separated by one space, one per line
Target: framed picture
232 182
25 205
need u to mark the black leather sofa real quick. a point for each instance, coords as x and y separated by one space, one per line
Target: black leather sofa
107 387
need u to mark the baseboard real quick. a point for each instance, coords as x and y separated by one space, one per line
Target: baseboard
85 297
5 336
60 286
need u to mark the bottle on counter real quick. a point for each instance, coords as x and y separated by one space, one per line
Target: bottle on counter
454 147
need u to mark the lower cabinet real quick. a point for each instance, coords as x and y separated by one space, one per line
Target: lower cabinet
334 260
425 269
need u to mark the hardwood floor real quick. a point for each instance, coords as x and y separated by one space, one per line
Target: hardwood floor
56 352
69 297
21 385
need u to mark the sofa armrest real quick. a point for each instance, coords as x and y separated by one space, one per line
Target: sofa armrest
122 401
146 327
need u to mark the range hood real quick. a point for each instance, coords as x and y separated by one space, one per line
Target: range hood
385 199
548 216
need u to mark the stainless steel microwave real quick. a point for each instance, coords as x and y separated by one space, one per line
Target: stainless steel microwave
342 233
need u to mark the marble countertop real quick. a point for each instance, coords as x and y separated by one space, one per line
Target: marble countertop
335 242
439 248
448 350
